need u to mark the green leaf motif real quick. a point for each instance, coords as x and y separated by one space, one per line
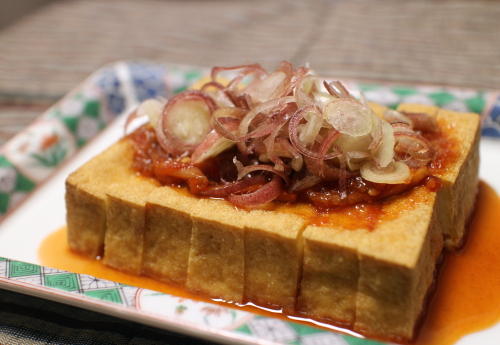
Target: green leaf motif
51 157
4 202
360 341
92 109
63 281
180 89
24 184
244 329
180 309
303 329
476 104
441 98
71 123
23 269
193 75
4 162
110 295
367 87
404 91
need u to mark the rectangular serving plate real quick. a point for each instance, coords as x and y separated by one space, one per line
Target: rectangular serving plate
117 89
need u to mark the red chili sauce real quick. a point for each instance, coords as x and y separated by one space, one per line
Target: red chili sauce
152 161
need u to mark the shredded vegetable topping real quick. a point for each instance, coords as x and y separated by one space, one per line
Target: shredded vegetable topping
283 135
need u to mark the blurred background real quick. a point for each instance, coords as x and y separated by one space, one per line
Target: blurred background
48 46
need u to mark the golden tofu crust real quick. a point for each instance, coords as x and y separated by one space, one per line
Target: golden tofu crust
370 280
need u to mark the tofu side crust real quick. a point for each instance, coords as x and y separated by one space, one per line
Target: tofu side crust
167 239
125 221
385 274
87 201
373 282
216 266
273 259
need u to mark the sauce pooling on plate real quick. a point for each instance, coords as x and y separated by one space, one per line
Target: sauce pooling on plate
466 298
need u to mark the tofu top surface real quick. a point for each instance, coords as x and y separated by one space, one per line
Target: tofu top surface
410 211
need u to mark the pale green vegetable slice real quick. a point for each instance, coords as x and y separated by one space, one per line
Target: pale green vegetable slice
349 117
394 173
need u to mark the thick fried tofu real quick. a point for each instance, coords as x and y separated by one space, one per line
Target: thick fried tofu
372 280
460 178
217 257
376 280
167 240
330 273
220 251
125 221
86 196
396 266
273 258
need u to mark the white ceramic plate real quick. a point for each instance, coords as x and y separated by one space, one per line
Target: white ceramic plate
39 152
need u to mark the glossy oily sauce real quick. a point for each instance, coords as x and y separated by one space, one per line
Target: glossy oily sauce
466 299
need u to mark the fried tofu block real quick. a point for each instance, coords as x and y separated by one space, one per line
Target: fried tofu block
125 220
459 179
330 274
220 251
167 240
376 281
86 196
273 258
216 265
396 266
372 280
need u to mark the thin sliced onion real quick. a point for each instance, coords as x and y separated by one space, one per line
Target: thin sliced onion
347 144
349 117
269 144
339 91
325 170
411 143
293 126
355 159
413 149
214 84
185 122
261 196
226 189
385 153
376 135
402 127
303 91
271 87
395 173
307 182
245 170
312 127
274 123
266 107
246 69
423 122
393 116
219 95
287 150
150 109
211 146
226 121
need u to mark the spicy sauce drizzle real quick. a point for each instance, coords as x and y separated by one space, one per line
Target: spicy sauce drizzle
466 298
